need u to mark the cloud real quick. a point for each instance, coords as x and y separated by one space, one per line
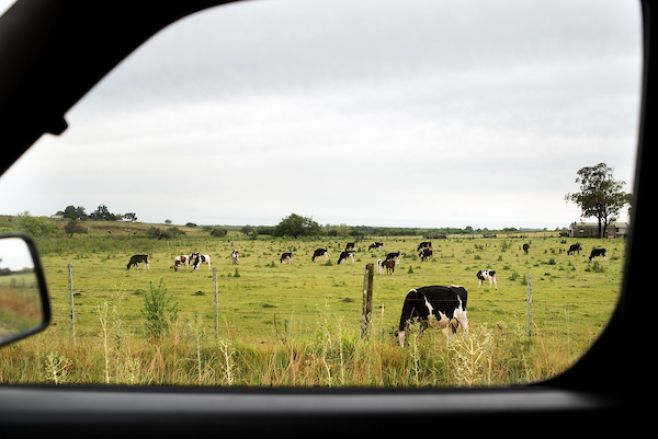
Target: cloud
414 113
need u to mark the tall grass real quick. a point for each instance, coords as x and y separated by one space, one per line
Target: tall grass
334 357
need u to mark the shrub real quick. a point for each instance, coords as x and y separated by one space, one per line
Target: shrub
158 311
34 225
73 226
158 233
596 267
217 232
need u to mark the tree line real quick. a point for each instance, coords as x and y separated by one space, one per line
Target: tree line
102 213
600 196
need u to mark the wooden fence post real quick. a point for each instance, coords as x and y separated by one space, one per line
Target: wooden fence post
529 322
216 294
367 299
71 304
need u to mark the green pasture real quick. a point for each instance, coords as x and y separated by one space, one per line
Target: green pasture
299 324
572 298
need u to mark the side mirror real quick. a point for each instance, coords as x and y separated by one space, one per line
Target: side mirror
24 304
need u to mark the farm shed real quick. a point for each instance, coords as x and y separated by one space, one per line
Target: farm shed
591 230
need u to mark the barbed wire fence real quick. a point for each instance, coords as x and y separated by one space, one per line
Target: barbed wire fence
556 315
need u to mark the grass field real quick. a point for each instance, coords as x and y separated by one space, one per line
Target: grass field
298 324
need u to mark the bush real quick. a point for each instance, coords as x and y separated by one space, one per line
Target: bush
596 267
35 226
217 232
158 311
158 233
73 226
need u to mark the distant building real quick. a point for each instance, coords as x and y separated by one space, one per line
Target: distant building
591 230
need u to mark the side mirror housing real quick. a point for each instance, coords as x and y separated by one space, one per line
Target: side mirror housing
24 303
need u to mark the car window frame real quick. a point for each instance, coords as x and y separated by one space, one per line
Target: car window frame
584 389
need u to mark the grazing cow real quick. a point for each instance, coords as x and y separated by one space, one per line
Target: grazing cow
395 255
489 275
235 257
380 266
425 254
596 252
526 247
349 246
136 259
375 245
286 257
320 252
574 248
389 264
446 304
424 244
180 261
196 259
346 255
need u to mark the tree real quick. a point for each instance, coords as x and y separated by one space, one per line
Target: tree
130 216
103 213
600 196
296 225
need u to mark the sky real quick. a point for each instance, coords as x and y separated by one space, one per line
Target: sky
385 113
14 254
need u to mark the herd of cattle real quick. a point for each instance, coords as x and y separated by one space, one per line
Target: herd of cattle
445 304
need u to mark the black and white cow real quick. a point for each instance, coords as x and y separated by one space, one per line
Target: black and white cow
346 255
424 244
320 252
197 259
349 246
375 245
389 265
136 259
425 254
489 275
286 257
573 248
235 257
526 247
596 252
446 305
394 255
380 266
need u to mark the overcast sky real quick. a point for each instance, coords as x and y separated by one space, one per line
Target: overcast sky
14 254
391 113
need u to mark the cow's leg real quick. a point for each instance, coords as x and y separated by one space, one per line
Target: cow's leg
401 338
495 283
462 319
